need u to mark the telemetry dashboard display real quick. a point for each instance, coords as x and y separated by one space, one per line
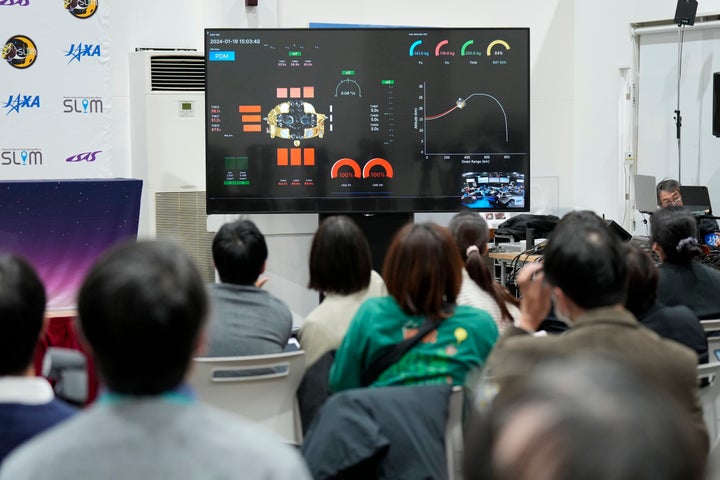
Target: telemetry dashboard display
367 120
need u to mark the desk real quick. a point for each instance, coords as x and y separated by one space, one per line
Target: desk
511 260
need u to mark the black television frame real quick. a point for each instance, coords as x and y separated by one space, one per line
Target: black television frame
232 200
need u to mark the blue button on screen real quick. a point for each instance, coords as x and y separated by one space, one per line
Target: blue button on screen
221 56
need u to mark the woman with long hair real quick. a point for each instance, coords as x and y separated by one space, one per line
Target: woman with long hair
479 287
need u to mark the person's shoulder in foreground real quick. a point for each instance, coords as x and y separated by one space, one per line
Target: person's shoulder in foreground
179 443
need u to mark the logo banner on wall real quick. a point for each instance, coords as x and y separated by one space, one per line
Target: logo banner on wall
55 94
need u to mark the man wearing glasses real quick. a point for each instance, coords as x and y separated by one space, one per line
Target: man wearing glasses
668 194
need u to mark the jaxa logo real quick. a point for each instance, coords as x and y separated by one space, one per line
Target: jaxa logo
19 51
21 156
83 157
17 3
77 51
81 8
16 102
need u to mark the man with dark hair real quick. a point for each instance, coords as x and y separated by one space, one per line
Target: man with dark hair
244 319
27 402
142 309
584 273
669 194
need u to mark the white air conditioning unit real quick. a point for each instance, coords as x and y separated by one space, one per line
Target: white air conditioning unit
167 118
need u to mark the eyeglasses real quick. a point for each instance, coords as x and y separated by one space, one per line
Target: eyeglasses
674 200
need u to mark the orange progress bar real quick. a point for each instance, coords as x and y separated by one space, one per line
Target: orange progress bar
250 109
309 156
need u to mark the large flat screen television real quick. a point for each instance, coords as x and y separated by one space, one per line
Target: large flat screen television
367 119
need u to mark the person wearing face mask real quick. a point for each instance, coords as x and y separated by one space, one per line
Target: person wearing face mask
584 275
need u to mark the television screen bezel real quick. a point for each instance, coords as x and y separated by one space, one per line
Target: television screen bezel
329 205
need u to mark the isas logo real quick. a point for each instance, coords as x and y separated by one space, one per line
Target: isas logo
82 50
19 51
83 157
16 102
16 3
21 156
82 105
81 8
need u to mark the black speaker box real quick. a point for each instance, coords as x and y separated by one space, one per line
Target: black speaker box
715 106
685 12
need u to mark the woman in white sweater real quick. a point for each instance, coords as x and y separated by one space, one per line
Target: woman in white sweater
340 268
479 288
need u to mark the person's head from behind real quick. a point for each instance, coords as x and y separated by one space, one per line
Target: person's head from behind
471 235
340 259
673 231
642 282
585 263
668 193
142 307
582 418
469 230
423 270
239 252
22 308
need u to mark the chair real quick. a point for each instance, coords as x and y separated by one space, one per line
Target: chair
712 332
709 378
259 387
454 434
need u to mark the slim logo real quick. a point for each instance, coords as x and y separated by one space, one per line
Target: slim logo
81 8
83 105
17 3
83 157
21 157
15 103
19 51
77 51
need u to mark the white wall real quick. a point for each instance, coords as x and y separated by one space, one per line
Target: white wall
603 45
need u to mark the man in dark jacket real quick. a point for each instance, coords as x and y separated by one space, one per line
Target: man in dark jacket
584 273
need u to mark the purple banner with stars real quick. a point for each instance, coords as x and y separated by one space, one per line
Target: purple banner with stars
61 227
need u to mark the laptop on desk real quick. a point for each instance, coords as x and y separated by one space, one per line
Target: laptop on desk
696 198
645 194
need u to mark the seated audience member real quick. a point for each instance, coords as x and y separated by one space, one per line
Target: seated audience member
678 322
341 269
142 308
27 402
244 319
582 418
479 288
669 194
683 281
423 273
585 274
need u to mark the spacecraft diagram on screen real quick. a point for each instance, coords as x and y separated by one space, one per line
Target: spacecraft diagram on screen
295 120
